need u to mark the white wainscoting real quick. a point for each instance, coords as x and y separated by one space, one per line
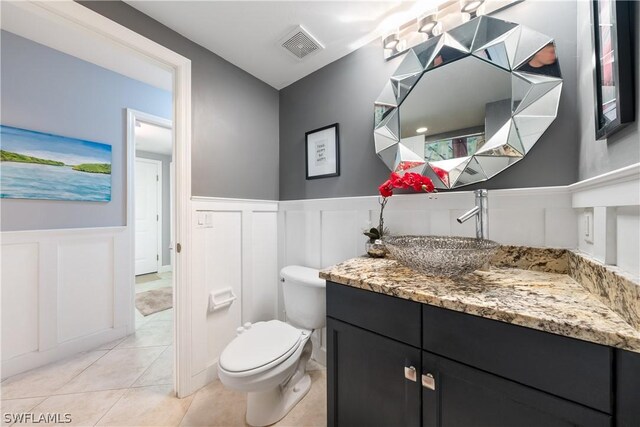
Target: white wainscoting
321 232
235 244
612 201
63 292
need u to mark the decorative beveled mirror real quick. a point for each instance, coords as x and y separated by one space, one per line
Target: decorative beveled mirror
463 106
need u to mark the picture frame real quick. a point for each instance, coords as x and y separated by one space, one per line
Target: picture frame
45 166
322 152
613 67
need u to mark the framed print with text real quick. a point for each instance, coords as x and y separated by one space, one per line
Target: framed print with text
322 148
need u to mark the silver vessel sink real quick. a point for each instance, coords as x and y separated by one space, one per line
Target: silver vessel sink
441 255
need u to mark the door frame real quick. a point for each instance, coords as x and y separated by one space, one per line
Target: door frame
95 26
134 116
159 242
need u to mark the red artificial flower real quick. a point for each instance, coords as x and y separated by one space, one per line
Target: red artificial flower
396 180
386 189
411 180
427 185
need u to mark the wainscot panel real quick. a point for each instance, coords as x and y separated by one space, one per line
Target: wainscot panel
64 291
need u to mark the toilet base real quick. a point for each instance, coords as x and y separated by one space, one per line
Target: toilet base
269 407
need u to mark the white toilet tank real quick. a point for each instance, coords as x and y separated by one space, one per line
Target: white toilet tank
304 296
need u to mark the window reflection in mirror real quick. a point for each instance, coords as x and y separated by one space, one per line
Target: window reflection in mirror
440 120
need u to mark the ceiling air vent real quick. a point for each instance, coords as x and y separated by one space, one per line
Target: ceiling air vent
300 43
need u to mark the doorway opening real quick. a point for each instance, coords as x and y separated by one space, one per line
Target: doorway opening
150 155
77 31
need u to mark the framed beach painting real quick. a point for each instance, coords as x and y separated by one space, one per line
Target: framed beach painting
36 165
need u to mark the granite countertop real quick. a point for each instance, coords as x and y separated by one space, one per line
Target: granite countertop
550 301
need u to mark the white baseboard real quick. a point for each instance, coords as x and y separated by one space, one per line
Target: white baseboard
320 356
165 268
204 377
36 359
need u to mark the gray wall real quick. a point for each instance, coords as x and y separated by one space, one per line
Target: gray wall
623 148
166 199
345 90
235 115
48 91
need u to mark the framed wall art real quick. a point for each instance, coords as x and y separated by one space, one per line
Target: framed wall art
36 165
322 148
613 68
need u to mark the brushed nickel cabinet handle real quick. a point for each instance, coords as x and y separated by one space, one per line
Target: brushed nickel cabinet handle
428 381
410 373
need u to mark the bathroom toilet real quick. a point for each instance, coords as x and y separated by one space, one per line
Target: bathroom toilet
268 359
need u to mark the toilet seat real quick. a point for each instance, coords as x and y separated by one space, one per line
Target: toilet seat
264 345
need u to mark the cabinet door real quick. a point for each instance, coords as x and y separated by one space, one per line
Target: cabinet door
461 396
367 382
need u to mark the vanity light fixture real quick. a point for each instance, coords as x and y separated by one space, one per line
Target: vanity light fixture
391 41
470 6
431 22
429 25
422 130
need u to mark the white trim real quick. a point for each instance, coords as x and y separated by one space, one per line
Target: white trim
66 349
10 236
448 196
215 203
617 188
131 205
626 173
165 268
73 14
230 200
132 116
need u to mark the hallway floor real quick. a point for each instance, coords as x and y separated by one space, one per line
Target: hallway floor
129 383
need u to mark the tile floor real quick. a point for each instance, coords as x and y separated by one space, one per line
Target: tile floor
129 383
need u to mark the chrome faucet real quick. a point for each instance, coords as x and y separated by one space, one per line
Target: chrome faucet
481 212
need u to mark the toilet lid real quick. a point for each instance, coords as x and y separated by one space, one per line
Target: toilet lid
264 343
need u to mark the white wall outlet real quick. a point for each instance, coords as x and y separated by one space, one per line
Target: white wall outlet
587 219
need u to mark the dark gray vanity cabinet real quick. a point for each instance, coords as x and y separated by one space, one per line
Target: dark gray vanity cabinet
393 362
468 397
368 367
368 391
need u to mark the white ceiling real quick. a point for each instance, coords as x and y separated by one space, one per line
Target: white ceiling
153 138
246 33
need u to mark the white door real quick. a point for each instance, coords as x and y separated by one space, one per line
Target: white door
147 215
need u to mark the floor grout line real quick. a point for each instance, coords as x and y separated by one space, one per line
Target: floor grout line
152 362
111 407
188 407
149 367
87 367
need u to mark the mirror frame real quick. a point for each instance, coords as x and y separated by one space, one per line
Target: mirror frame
534 101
